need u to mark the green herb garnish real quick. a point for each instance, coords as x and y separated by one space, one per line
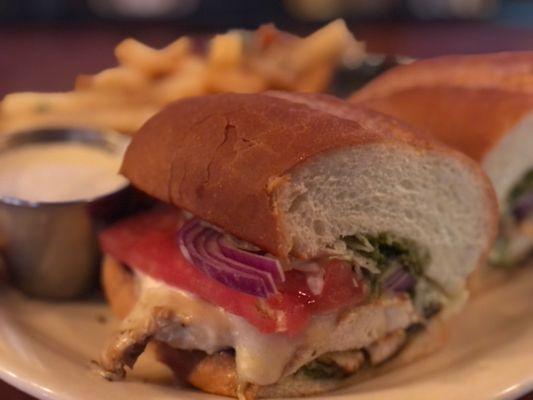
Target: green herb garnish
501 255
524 186
431 309
385 249
319 370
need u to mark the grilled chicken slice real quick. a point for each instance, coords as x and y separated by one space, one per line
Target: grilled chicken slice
384 348
186 322
348 361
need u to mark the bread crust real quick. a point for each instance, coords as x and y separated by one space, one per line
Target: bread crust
506 70
468 102
470 120
217 373
222 157
118 283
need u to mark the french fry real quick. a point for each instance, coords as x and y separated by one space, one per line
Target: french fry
145 59
189 80
192 66
225 51
237 81
146 79
83 82
325 45
50 103
138 56
125 119
314 80
178 49
179 86
119 78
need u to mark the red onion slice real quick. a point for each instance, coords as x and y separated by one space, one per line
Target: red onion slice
185 235
398 280
226 274
213 250
200 244
264 263
237 280
524 207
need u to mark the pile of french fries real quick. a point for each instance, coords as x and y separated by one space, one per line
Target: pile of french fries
124 97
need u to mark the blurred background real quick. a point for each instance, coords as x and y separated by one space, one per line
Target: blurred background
82 33
202 13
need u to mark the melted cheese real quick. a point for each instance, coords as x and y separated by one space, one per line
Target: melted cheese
261 358
197 324
200 325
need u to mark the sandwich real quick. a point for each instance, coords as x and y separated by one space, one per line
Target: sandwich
481 105
506 70
299 243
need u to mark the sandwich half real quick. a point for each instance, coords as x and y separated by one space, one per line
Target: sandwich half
300 242
505 70
481 105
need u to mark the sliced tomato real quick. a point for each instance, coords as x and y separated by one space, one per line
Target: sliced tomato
148 243
340 287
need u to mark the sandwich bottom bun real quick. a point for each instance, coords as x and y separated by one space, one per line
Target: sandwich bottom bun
119 286
217 373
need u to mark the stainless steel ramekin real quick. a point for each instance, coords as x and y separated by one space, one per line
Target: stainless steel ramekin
51 248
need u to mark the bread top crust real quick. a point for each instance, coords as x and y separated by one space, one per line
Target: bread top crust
470 120
506 70
221 157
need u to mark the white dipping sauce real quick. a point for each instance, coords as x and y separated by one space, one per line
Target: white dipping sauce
57 172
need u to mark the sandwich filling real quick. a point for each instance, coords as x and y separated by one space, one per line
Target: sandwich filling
515 241
200 289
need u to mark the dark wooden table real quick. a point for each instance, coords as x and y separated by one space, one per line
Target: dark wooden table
48 58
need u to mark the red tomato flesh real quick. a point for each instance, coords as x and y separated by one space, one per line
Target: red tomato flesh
148 243
339 287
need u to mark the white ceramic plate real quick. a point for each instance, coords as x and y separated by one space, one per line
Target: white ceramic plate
46 348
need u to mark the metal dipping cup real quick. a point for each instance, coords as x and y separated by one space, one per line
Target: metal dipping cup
50 248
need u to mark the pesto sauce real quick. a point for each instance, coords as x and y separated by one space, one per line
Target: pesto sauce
523 187
500 255
388 247
431 309
320 370
385 249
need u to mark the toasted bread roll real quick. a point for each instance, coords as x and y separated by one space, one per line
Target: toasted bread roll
293 173
483 106
511 71
372 227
